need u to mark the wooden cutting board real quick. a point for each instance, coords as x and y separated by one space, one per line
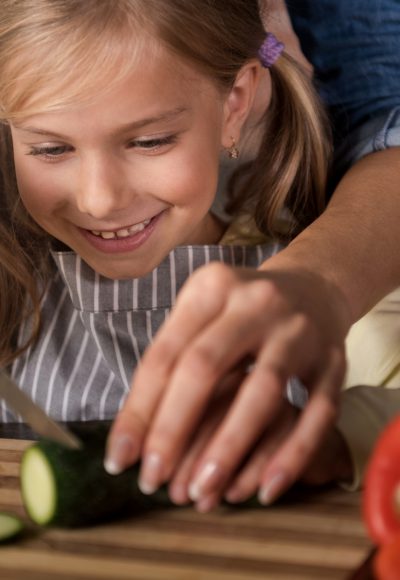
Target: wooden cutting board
304 537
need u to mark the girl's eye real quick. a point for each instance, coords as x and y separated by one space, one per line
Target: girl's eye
52 153
153 144
49 152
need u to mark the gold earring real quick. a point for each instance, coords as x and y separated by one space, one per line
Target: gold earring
233 151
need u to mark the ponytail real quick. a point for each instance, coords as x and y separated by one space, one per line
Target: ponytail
289 173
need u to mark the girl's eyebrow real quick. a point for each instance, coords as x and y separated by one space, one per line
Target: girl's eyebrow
134 125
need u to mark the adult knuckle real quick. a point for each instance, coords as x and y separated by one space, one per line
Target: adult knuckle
160 354
301 323
264 393
163 436
265 295
250 299
164 443
303 449
214 274
210 284
272 373
218 278
202 361
232 441
262 292
136 423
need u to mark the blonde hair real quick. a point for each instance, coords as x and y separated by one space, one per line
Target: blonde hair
291 167
55 53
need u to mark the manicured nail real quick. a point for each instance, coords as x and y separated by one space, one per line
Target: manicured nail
123 450
150 477
270 491
234 495
208 477
179 494
207 504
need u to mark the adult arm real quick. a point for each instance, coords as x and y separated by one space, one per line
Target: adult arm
354 244
293 315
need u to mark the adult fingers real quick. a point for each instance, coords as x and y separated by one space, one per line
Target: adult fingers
207 290
258 402
291 459
221 345
246 482
179 484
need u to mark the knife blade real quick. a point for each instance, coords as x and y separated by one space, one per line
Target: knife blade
34 415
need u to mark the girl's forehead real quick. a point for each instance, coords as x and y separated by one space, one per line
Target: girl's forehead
161 83
82 79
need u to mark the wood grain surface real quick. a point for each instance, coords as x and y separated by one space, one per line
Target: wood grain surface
306 536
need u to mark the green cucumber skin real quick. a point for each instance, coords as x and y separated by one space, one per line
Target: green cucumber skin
86 493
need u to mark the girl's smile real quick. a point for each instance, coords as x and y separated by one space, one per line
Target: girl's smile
130 175
122 240
124 232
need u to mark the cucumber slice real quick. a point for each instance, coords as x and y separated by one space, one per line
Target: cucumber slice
10 526
38 485
70 487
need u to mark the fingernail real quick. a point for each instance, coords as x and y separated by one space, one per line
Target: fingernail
123 449
270 491
179 494
150 477
234 496
207 504
208 477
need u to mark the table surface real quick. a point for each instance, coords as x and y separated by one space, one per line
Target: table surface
306 536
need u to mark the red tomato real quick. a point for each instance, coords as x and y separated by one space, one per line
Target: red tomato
381 507
387 561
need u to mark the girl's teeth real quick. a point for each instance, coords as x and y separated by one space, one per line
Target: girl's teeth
123 233
107 235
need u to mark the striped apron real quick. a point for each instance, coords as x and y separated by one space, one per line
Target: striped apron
95 330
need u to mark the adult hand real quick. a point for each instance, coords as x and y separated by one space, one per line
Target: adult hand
290 322
245 481
331 463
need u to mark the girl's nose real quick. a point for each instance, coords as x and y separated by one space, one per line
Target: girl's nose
102 189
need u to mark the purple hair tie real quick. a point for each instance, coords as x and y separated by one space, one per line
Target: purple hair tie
270 50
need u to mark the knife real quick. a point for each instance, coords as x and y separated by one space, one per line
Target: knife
34 415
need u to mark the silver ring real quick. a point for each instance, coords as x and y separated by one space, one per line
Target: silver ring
296 393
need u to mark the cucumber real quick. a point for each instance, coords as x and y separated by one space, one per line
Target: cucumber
70 487
10 526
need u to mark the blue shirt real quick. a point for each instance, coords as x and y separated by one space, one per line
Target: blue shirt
354 46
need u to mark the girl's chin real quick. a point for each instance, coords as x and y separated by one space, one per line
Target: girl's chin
122 266
119 271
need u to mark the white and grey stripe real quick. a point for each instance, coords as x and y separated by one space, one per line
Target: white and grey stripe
95 330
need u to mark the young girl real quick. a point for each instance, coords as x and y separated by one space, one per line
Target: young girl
117 116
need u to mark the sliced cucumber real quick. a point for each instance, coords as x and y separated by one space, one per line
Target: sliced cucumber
10 526
38 485
70 487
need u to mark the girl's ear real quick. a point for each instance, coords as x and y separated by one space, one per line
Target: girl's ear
239 102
